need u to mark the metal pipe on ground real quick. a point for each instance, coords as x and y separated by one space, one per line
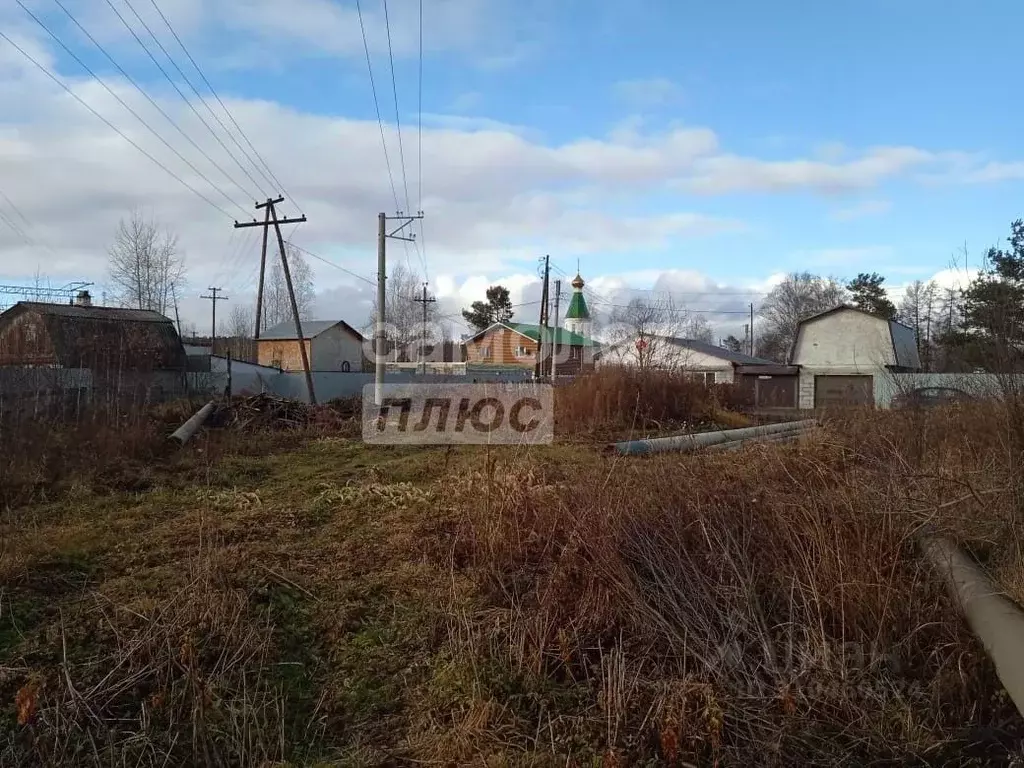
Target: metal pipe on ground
704 439
185 432
996 619
780 437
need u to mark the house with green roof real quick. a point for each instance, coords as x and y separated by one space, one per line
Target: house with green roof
516 345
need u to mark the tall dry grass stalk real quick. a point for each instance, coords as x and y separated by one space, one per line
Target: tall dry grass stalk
187 681
764 607
619 400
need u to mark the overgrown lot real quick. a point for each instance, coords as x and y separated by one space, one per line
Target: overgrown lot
296 597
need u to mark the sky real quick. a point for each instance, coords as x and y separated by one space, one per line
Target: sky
702 150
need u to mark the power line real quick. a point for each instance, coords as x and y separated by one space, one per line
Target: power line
332 264
683 310
150 99
398 119
110 125
272 178
419 147
125 104
376 104
419 122
15 227
175 85
15 208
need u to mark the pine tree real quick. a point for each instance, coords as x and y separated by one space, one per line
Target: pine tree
868 294
496 309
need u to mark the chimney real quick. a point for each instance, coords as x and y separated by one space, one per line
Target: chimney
83 299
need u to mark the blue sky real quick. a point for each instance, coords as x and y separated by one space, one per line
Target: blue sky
726 142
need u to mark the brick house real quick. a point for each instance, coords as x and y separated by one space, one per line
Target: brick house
331 345
515 345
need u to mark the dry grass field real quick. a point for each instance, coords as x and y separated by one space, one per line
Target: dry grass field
298 598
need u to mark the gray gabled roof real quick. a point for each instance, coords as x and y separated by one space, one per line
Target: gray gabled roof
695 345
310 329
715 351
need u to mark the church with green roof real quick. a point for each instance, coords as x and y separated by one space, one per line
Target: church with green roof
577 317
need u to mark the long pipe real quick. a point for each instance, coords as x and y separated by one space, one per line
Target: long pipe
996 619
778 437
703 439
185 432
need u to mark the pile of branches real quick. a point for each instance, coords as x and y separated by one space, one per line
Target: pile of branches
264 411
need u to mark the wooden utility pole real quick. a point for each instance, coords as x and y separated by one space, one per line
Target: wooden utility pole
271 219
214 298
751 329
423 340
539 368
380 338
557 323
263 270
174 298
558 296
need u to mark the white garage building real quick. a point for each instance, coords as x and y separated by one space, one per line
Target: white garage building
841 353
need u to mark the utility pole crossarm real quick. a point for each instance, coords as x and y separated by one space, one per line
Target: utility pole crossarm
214 298
406 221
255 223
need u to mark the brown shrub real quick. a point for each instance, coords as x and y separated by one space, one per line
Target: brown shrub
761 608
185 680
618 401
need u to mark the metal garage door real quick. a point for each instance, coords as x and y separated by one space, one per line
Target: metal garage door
833 391
775 391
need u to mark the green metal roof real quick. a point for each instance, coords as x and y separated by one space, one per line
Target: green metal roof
563 336
577 307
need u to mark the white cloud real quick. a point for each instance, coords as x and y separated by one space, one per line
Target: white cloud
995 172
861 210
647 92
495 196
730 173
472 124
830 151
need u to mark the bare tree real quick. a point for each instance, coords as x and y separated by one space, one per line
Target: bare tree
403 316
640 333
698 328
146 269
241 321
798 296
919 309
239 332
277 307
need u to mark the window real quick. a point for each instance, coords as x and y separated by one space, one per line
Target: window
576 352
523 351
707 378
485 352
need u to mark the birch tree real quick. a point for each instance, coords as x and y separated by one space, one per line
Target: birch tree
146 269
277 307
403 316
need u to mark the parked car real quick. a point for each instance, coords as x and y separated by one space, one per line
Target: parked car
926 397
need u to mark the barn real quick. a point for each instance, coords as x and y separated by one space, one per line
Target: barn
844 352
331 345
80 335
